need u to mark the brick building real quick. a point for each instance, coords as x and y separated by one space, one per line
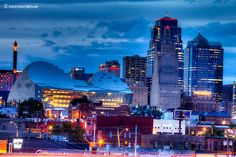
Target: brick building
109 127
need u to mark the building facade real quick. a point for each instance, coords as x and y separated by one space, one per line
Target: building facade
227 98
165 89
157 34
112 66
201 103
134 69
140 95
164 126
134 73
124 127
203 67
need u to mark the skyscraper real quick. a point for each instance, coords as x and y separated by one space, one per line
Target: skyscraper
227 98
203 67
165 89
134 73
156 36
134 69
112 66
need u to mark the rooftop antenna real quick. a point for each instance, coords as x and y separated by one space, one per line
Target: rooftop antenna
167 13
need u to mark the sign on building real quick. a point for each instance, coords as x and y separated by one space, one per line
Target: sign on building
182 114
17 143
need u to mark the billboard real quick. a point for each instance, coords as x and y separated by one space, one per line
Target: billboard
182 114
17 143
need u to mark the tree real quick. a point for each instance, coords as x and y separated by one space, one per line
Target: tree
31 108
75 134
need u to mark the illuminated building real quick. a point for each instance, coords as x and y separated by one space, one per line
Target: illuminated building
165 89
227 98
201 103
134 73
48 83
8 77
234 101
134 69
203 67
154 45
111 67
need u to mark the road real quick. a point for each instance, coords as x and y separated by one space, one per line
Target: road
88 155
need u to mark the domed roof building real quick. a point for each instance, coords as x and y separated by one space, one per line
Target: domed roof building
50 84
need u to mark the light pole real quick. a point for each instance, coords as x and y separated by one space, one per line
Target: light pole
135 142
17 128
119 133
94 131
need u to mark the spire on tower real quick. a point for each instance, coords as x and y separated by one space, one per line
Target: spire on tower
15 46
167 13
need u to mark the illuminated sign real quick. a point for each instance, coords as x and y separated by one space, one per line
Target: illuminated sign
202 93
182 114
17 143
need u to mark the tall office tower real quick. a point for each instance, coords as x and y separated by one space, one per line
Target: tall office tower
134 69
203 67
15 47
112 66
134 73
156 36
165 89
227 98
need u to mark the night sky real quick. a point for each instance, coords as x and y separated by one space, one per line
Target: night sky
87 32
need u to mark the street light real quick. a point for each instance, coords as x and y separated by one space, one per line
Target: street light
17 128
50 128
223 122
94 131
119 133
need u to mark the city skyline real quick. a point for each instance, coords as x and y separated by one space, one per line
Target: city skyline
79 36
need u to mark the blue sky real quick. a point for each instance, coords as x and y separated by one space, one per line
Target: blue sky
88 32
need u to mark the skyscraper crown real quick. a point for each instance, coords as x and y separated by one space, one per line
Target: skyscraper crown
199 38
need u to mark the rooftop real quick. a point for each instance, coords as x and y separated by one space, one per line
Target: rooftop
48 75
212 114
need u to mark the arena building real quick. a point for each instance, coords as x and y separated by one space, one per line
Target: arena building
46 82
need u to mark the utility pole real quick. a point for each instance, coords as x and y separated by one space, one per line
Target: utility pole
118 137
17 128
94 133
135 140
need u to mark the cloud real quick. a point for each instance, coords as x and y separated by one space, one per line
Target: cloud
49 43
216 32
57 34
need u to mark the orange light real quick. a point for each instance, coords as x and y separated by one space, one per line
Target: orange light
50 127
202 93
204 129
100 142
